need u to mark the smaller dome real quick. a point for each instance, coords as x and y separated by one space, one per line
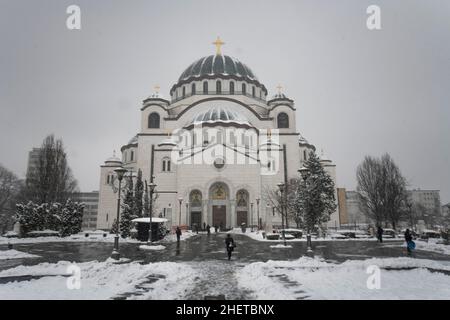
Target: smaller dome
219 115
133 140
114 159
279 95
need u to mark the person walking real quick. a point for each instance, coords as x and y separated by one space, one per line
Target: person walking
230 245
208 227
178 232
380 234
216 228
410 245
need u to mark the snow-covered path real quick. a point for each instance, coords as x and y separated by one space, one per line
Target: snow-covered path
198 268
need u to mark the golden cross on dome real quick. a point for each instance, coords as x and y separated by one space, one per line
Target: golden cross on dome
157 87
279 87
218 43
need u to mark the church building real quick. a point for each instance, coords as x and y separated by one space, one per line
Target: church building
216 149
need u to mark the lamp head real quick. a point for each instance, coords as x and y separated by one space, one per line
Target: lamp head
120 172
152 186
304 172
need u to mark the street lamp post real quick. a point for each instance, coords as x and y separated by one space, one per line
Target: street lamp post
257 212
281 187
152 187
180 200
187 214
115 254
251 216
304 172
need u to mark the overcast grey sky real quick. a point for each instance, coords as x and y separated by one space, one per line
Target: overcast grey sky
357 92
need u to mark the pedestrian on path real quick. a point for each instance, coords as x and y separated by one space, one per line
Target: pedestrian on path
230 245
215 228
410 244
208 229
178 232
380 234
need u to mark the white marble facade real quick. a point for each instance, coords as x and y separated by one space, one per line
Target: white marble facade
219 143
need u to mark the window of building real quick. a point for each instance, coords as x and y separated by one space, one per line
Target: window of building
193 88
132 155
283 120
205 87
244 89
184 92
253 92
166 165
231 87
218 87
153 120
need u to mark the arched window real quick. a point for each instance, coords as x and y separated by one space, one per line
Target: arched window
132 155
304 155
231 87
184 92
244 89
218 87
205 87
153 120
166 165
253 92
193 89
283 120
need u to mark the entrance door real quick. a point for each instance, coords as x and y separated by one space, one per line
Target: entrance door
196 219
219 216
241 217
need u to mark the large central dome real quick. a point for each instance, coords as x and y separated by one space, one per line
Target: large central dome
217 65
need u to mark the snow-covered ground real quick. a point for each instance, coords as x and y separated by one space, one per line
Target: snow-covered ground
100 280
258 235
307 278
432 245
14 254
94 237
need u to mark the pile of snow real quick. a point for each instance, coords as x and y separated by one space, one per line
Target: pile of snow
147 247
282 246
14 254
432 246
317 279
99 280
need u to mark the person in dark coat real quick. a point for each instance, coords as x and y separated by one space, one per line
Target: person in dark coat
178 232
230 245
216 228
408 239
380 234
208 227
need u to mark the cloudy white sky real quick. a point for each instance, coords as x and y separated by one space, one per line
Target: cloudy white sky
357 92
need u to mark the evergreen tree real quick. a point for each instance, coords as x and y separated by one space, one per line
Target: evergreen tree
315 196
114 227
146 202
138 195
127 209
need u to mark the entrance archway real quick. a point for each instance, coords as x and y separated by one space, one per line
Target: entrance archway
195 200
218 196
242 207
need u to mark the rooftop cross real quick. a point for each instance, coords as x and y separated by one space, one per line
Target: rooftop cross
218 43
279 87
157 87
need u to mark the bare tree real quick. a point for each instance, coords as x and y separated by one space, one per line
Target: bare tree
9 189
382 190
52 179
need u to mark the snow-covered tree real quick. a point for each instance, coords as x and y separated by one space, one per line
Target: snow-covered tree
71 217
114 227
128 213
315 195
138 195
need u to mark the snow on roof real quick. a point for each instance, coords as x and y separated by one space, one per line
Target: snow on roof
147 220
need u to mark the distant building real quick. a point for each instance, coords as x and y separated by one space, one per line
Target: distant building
430 199
90 200
33 159
350 212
